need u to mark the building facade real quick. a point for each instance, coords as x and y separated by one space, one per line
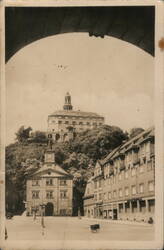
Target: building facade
65 124
50 188
124 182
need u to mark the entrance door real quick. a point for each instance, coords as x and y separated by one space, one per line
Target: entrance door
114 214
49 209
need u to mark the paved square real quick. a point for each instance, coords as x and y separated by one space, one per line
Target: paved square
73 228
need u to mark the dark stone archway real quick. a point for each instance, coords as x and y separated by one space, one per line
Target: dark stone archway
25 25
49 209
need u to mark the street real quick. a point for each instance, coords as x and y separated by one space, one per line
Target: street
73 228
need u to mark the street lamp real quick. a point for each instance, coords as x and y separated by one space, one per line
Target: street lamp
79 213
42 214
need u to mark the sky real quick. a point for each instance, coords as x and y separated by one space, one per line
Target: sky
108 76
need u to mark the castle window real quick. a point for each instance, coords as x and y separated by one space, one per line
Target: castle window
59 122
63 194
109 195
120 192
126 191
151 186
49 181
63 182
141 188
49 194
133 189
105 196
74 123
35 194
66 122
114 194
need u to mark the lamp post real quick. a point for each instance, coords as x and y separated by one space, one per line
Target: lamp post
42 214
79 213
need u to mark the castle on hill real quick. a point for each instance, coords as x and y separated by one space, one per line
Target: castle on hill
64 124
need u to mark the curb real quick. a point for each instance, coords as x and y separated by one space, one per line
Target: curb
120 222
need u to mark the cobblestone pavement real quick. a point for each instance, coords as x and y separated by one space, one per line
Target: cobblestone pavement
73 228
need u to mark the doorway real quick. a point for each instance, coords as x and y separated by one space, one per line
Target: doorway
49 209
114 214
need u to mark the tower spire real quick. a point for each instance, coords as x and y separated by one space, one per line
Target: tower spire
67 104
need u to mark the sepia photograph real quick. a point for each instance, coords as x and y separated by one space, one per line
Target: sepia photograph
80 127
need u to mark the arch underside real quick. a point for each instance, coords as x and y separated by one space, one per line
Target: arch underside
25 25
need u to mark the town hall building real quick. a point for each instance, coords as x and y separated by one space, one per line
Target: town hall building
64 124
50 187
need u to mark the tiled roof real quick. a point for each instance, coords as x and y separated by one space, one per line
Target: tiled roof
134 142
75 113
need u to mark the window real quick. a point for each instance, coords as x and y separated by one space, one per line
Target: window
88 123
80 123
63 194
133 171
66 122
109 195
141 188
105 196
133 189
94 124
100 196
49 181
59 122
63 182
120 192
126 191
151 186
114 194
141 169
100 123
35 182
74 123
49 194
99 183
35 194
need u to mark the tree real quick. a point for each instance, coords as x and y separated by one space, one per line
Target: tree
23 134
135 131
39 137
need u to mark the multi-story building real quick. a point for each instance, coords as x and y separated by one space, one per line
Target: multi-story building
89 199
124 182
49 187
64 124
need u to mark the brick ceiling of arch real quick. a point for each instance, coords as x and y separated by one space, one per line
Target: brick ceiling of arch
25 25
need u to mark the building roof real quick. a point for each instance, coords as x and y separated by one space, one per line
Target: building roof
134 142
77 113
55 169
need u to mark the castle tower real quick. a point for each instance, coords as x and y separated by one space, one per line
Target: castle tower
67 105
